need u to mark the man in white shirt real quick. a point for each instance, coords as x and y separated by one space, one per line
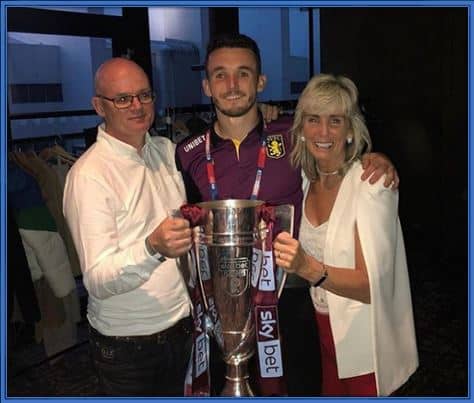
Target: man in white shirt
117 201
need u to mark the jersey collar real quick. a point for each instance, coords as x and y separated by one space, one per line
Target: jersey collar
216 139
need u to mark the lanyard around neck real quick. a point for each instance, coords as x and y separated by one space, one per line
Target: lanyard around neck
211 176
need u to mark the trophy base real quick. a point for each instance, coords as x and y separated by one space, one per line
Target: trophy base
237 388
237 381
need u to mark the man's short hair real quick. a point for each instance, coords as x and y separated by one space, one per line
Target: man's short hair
235 40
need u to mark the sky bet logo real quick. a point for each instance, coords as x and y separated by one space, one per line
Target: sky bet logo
269 351
201 343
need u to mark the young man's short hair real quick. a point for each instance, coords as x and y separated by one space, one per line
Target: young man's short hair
235 40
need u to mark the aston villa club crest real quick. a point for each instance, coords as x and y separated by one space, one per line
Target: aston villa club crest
275 146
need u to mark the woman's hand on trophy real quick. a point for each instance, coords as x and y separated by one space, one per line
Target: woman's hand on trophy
172 238
289 254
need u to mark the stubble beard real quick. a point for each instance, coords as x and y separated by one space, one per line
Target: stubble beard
235 112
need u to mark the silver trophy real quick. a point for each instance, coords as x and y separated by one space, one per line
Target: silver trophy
225 248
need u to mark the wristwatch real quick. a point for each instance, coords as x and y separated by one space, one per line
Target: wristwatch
153 252
324 276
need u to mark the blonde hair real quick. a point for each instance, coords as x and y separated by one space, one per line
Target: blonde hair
322 94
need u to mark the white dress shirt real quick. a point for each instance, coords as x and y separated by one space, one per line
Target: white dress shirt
113 199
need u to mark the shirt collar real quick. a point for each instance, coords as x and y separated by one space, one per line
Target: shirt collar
258 129
121 147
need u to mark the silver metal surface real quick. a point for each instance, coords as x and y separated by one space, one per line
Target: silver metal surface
230 231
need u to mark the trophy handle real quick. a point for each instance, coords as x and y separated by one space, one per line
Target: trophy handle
211 320
281 280
197 256
281 274
285 218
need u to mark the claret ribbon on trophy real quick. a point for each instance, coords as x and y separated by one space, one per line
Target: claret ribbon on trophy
197 382
265 305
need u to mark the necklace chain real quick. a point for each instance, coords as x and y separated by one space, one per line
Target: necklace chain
324 173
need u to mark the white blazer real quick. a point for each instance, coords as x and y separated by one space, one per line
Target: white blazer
378 337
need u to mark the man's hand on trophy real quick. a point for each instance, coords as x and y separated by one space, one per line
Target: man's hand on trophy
289 254
172 238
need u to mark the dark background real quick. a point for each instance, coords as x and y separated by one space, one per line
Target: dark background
410 65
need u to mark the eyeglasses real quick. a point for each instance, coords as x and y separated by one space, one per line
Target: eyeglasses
124 101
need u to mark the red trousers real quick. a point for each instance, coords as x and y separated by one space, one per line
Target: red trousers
362 385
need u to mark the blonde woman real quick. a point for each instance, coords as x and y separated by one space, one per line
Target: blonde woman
350 248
